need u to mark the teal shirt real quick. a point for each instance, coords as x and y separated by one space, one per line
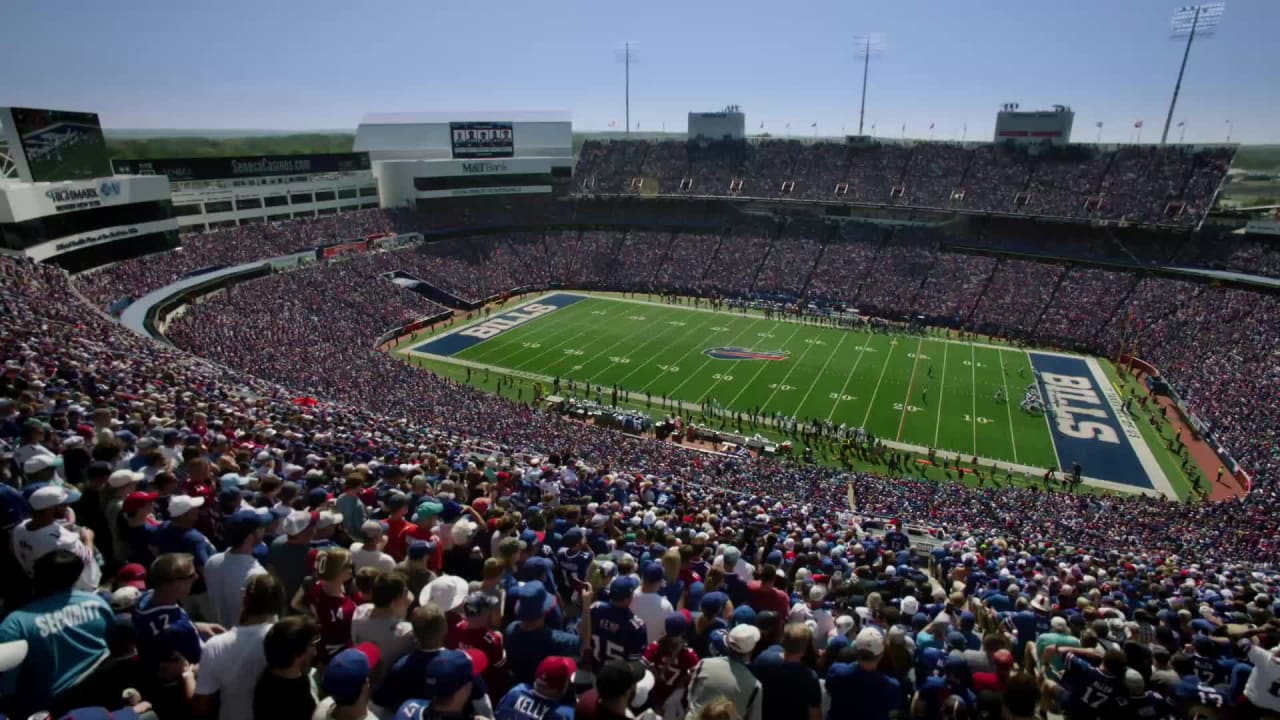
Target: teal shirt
66 634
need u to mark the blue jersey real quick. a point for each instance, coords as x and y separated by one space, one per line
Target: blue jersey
857 693
526 648
1092 692
616 634
415 709
170 538
576 563
1190 691
896 540
935 691
66 636
163 629
1151 705
1206 667
522 703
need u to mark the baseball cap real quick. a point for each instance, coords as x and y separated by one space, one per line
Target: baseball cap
428 509
623 587
617 677
479 603
732 555
1003 659
533 601
1058 624
555 672
742 639
421 548
124 598
52 496
452 670
317 497
677 624
328 519
242 522
135 501
41 462
182 504
120 478
653 572
299 521
371 528
869 643
348 671
910 605
713 603
134 575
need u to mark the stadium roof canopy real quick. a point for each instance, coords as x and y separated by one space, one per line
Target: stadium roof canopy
416 118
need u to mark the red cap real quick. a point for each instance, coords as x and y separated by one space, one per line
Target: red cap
135 501
481 505
479 661
133 575
556 672
1003 659
371 652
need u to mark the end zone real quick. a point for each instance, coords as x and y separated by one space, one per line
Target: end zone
461 338
1088 425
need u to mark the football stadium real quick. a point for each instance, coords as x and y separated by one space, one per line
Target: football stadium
493 414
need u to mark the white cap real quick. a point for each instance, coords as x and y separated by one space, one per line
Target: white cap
40 462
328 519
446 592
910 605
742 639
299 521
120 478
1058 624
869 640
49 496
180 505
372 528
125 598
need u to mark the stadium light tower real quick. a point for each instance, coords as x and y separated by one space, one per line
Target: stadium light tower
627 56
866 47
1190 21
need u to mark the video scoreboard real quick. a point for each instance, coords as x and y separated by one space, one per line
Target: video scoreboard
472 140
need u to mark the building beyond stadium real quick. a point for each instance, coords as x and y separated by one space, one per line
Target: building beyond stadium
421 157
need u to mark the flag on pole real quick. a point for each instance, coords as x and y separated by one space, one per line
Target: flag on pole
1138 124
1182 123
1098 124
813 125
761 126
788 126
930 126
613 123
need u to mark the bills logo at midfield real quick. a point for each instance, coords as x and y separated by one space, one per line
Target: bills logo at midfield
737 353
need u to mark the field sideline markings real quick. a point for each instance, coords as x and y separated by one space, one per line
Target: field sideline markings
693 407
910 386
1013 435
589 327
893 343
568 334
866 342
658 354
821 372
973 372
1035 377
704 364
644 327
942 386
790 370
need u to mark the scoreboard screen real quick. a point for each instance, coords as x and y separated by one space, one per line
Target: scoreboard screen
60 145
481 140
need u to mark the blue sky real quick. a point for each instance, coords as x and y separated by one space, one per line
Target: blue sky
283 64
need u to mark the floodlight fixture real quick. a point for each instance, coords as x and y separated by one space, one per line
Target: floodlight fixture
866 47
1190 21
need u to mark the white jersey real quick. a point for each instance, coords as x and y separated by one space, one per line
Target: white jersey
31 545
230 664
1263 688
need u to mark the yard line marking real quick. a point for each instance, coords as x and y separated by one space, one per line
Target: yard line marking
499 345
790 370
645 327
704 363
865 342
937 429
505 357
910 385
1013 436
973 371
659 353
892 344
821 372
589 328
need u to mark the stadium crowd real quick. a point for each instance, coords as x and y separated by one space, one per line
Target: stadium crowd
1138 184
201 542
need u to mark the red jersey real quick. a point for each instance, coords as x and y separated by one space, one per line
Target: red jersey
333 613
767 598
988 682
489 642
397 540
670 672
435 561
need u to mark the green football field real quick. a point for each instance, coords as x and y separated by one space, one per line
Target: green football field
915 392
